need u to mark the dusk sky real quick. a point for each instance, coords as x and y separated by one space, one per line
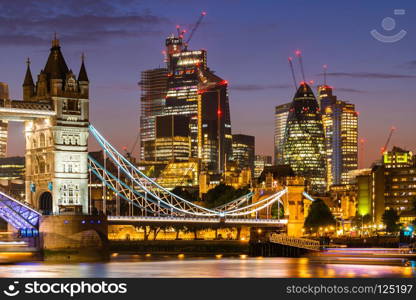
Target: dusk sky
248 43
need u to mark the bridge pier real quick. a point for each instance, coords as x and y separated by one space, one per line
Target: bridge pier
74 237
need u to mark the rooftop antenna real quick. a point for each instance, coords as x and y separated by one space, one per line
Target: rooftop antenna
293 72
299 55
325 69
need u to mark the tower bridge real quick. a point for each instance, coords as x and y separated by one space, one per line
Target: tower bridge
55 112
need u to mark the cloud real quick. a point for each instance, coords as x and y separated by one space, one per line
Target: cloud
33 22
369 75
258 87
411 64
350 90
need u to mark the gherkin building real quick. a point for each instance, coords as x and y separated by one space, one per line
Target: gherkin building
304 142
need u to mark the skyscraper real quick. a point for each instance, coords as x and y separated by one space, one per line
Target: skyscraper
172 138
340 122
4 96
214 124
280 120
260 162
304 143
189 93
153 85
243 151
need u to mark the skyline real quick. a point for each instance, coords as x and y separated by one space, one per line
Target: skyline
356 77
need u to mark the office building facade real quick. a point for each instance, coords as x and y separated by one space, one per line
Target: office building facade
188 92
280 120
153 85
243 151
340 122
4 95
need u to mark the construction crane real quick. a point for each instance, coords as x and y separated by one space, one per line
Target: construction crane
203 14
392 130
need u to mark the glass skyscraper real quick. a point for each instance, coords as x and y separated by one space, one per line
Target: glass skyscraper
340 122
280 120
243 151
185 110
153 84
4 96
304 143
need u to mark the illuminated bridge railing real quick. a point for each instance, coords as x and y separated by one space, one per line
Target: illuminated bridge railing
303 243
19 215
213 220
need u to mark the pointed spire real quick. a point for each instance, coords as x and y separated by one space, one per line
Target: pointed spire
28 77
56 67
55 41
82 72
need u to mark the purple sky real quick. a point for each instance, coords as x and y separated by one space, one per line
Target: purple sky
248 43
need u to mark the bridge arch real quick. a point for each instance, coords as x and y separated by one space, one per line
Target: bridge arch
45 203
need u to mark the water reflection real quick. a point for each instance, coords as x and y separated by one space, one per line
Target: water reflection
137 265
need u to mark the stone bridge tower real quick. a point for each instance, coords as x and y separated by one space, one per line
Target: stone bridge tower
57 146
295 205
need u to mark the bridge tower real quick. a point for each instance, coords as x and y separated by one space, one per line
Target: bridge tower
296 205
57 146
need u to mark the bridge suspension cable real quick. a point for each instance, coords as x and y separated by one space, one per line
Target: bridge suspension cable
156 199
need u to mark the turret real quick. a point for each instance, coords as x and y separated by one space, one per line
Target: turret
83 81
28 85
55 72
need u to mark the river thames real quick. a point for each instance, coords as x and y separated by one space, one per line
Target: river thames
216 266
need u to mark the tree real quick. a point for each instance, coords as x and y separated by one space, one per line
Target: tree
223 194
178 228
390 219
319 215
186 194
277 210
359 220
146 231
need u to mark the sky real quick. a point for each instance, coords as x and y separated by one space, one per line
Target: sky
248 43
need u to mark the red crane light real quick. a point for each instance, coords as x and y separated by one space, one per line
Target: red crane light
219 112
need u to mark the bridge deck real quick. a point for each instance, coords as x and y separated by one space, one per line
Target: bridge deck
189 220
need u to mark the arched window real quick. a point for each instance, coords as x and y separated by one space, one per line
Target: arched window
42 140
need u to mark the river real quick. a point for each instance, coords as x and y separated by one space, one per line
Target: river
150 266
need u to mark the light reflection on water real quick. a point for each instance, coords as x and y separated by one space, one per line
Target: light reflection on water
193 266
